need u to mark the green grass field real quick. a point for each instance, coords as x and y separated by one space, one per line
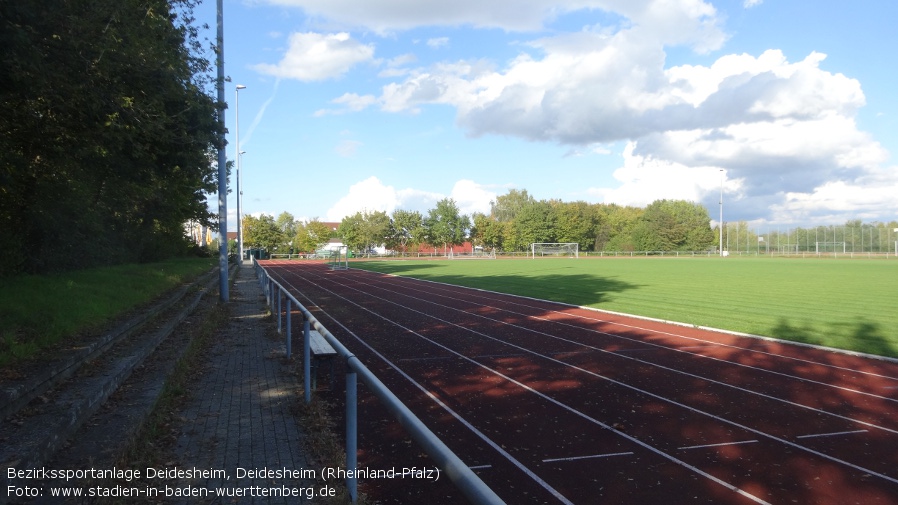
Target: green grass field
848 304
37 311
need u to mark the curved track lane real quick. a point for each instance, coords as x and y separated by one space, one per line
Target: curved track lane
558 404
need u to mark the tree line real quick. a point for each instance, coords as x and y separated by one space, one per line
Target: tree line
515 221
107 132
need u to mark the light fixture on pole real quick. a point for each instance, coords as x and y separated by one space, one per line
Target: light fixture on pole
239 191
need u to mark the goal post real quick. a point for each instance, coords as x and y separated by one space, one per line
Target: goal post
555 249
339 259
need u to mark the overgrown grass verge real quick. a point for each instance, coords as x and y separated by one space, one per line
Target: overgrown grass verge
38 311
149 446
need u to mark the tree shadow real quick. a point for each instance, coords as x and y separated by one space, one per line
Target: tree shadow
575 289
860 335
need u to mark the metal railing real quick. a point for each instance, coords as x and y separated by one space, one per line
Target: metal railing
457 471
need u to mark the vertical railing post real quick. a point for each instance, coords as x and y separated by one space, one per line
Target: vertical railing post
289 327
306 358
352 434
280 295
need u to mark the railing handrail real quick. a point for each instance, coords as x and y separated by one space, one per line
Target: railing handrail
455 469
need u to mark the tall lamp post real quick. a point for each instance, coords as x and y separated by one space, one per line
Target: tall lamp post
239 152
223 294
721 213
239 206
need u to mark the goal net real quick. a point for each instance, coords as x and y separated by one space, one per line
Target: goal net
339 259
556 249
478 253
830 247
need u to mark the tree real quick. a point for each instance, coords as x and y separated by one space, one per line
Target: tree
365 231
406 229
106 134
575 222
507 207
534 223
311 236
445 226
674 225
262 232
486 231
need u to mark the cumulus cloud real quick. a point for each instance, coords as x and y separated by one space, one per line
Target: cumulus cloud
472 197
438 42
371 195
644 179
318 57
697 20
784 131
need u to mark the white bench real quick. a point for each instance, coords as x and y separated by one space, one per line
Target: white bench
321 352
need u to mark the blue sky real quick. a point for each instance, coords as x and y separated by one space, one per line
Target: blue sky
384 104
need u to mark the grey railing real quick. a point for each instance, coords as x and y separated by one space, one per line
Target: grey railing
451 465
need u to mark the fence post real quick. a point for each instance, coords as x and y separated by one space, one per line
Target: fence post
289 327
306 358
351 435
280 326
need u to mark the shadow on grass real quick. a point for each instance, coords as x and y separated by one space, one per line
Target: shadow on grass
861 336
576 289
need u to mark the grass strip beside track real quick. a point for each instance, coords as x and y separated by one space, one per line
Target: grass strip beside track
38 311
846 304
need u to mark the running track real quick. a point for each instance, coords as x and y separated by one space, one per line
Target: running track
556 404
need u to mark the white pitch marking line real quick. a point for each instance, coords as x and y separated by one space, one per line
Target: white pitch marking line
576 458
832 434
717 445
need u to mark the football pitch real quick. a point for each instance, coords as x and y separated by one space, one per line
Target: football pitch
846 304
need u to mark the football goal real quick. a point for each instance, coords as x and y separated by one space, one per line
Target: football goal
556 249
479 253
339 259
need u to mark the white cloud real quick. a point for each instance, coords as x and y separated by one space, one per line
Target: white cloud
318 57
690 21
644 179
438 42
347 148
748 4
371 195
472 197
351 102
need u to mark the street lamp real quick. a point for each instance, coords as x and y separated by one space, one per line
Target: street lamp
239 152
240 206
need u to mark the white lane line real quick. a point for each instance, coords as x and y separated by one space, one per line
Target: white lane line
625 325
545 485
656 365
834 434
523 386
480 467
593 456
716 445
426 359
617 382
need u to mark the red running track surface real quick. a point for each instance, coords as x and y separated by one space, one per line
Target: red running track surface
551 403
